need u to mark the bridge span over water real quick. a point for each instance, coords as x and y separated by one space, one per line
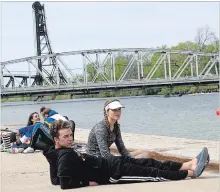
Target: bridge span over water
100 71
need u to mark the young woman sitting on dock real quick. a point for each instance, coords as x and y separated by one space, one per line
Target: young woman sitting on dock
22 136
107 132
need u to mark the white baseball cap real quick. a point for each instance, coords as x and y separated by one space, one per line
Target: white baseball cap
113 105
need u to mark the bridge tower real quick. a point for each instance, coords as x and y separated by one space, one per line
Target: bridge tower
47 66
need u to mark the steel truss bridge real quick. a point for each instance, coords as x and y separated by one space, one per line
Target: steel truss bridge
134 74
92 71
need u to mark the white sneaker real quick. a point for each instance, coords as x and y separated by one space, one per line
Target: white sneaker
29 150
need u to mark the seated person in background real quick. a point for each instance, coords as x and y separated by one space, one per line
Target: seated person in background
22 137
50 116
107 132
26 132
70 169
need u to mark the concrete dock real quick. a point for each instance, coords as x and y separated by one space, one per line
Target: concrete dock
30 172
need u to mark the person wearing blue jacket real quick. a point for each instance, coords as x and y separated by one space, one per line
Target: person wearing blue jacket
50 116
22 136
25 133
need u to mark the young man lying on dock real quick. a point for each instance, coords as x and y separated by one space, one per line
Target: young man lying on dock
70 169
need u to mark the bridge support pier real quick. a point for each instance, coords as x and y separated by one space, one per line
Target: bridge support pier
39 98
170 89
71 96
197 87
117 92
54 96
145 90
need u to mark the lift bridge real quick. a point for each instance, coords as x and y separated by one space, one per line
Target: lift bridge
92 71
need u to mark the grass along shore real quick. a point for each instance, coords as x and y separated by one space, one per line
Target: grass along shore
119 93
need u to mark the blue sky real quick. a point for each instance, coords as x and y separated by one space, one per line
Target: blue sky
90 25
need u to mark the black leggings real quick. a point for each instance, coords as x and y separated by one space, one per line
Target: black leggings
45 140
41 139
142 170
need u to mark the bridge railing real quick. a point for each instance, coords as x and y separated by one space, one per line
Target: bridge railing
101 85
143 64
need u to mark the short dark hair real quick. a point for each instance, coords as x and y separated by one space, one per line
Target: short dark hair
58 125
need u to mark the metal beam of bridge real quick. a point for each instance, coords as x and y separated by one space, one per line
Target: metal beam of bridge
98 87
19 76
99 51
102 67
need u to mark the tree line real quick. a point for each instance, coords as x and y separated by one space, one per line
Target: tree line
205 41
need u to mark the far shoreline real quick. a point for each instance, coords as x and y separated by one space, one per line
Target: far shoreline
89 99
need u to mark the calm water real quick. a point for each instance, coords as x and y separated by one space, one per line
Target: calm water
188 116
